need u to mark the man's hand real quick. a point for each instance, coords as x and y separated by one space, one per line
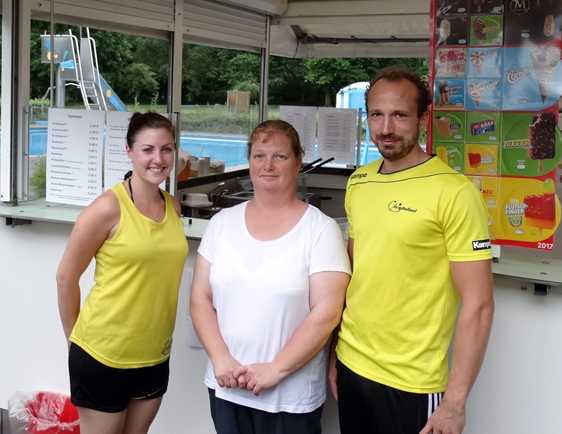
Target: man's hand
227 370
447 419
261 376
333 375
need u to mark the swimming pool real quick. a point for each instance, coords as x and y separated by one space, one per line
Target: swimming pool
228 149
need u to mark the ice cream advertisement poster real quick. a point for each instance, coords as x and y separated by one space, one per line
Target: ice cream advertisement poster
532 78
531 144
449 93
486 30
483 127
451 62
528 212
449 126
480 159
451 154
498 123
483 94
484 62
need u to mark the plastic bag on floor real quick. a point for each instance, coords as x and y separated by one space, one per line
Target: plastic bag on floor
43 413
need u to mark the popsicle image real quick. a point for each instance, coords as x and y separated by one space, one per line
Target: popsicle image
545 61
542 136
540 210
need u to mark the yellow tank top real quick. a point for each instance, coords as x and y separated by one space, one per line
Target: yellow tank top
128 318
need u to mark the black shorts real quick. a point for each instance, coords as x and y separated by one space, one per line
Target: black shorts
100 387
232 418
369 407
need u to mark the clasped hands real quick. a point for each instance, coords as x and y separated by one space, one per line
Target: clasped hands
256 377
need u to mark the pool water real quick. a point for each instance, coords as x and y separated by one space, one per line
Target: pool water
230 150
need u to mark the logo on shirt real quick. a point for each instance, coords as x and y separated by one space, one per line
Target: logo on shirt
395 206
358 176
481 245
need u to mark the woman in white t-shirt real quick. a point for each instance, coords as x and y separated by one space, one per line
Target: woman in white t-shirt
268 290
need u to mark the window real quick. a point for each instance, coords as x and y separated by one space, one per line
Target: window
323 82
133 72
220 96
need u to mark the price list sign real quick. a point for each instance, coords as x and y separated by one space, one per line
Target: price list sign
337 134
496 74
74 156
116 161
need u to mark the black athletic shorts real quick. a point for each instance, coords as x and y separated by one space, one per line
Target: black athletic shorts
232 418
103 388
368 407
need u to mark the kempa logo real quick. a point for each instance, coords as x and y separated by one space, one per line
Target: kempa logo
358 175
395 206
481 245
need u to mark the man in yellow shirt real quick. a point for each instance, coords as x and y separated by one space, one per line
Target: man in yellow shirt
419 243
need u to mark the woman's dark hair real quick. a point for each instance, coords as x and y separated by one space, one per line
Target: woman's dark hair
141 121
278 127
399 73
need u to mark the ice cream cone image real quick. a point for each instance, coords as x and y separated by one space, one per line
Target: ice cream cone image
475 91
545 61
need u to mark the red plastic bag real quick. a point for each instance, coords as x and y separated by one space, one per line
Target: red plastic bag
43 413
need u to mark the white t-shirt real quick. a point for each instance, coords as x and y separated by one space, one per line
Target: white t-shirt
261 296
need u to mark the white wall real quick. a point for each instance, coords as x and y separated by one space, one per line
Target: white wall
519 390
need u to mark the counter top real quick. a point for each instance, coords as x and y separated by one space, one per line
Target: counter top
40 210
523 264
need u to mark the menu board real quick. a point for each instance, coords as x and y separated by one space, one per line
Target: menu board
496 74
116 161
74 156
303 119
337 134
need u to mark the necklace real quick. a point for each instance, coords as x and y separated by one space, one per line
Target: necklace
133 197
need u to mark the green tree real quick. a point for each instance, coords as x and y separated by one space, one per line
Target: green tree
141 81
330 75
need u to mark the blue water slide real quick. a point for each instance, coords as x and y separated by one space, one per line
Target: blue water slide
111 97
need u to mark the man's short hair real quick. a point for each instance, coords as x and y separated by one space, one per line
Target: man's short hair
398 73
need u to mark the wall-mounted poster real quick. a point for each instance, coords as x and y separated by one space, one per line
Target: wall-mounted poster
497 81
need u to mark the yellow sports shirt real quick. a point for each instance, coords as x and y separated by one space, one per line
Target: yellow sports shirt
128 318
401 303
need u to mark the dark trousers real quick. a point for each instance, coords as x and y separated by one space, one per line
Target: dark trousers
368 407
231 418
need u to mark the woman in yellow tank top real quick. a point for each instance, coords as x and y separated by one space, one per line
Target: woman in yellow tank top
120 338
